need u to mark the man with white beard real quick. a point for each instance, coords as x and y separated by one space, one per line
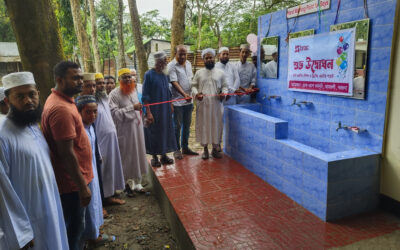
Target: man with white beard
111 167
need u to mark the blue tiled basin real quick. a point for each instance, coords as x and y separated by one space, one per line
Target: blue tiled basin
331 184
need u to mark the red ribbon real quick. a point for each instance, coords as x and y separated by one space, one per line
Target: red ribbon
254 90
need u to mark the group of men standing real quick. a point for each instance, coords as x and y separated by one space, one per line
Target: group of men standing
55 178
214 86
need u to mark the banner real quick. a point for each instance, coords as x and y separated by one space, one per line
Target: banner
322 63
307 8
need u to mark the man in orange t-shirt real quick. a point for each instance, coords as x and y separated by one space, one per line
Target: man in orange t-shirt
70 148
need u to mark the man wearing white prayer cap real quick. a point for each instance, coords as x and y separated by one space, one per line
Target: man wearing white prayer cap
3 105
247 73
209 88
231 74
159 134
271 67
31 214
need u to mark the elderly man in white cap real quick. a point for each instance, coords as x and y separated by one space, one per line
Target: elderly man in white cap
247 73
231 73
30 207
159 135
180 75
110 172
209 88
3 105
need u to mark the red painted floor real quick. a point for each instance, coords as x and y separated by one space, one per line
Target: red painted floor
223 205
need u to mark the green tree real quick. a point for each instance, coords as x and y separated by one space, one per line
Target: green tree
38 37
6 32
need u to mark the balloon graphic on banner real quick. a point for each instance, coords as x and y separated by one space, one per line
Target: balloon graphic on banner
343 66
341 61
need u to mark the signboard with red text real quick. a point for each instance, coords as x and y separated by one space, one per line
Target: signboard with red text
322 63
307 8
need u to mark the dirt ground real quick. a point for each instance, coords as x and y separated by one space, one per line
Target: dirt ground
140 223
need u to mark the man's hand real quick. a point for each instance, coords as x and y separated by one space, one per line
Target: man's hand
188 97
199 96
85 196
138 106
29 245
150 118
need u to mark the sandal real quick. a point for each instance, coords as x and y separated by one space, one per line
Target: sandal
205 155
165 160
140 189
104 238
216 154
129 192
155 163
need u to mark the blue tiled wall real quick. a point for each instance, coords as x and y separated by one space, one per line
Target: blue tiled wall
316 125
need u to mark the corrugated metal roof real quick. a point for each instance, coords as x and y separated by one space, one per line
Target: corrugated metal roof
9 49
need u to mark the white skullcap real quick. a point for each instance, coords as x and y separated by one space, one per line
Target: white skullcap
244 46
274 50
254 53
89 76
17 79
133 71
206 51
223 49
159 55
2 95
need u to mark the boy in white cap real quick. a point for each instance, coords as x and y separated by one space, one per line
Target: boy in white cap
211 82
31 212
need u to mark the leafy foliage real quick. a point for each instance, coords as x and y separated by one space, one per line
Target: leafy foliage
6 31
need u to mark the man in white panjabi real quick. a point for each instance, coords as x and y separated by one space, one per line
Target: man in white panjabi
209 87
31 215
231 74
247 73
271 68
125 110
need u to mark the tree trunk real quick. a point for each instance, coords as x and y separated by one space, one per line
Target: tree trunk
95 46
38 37
121 45
137 35
177 25
82 36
